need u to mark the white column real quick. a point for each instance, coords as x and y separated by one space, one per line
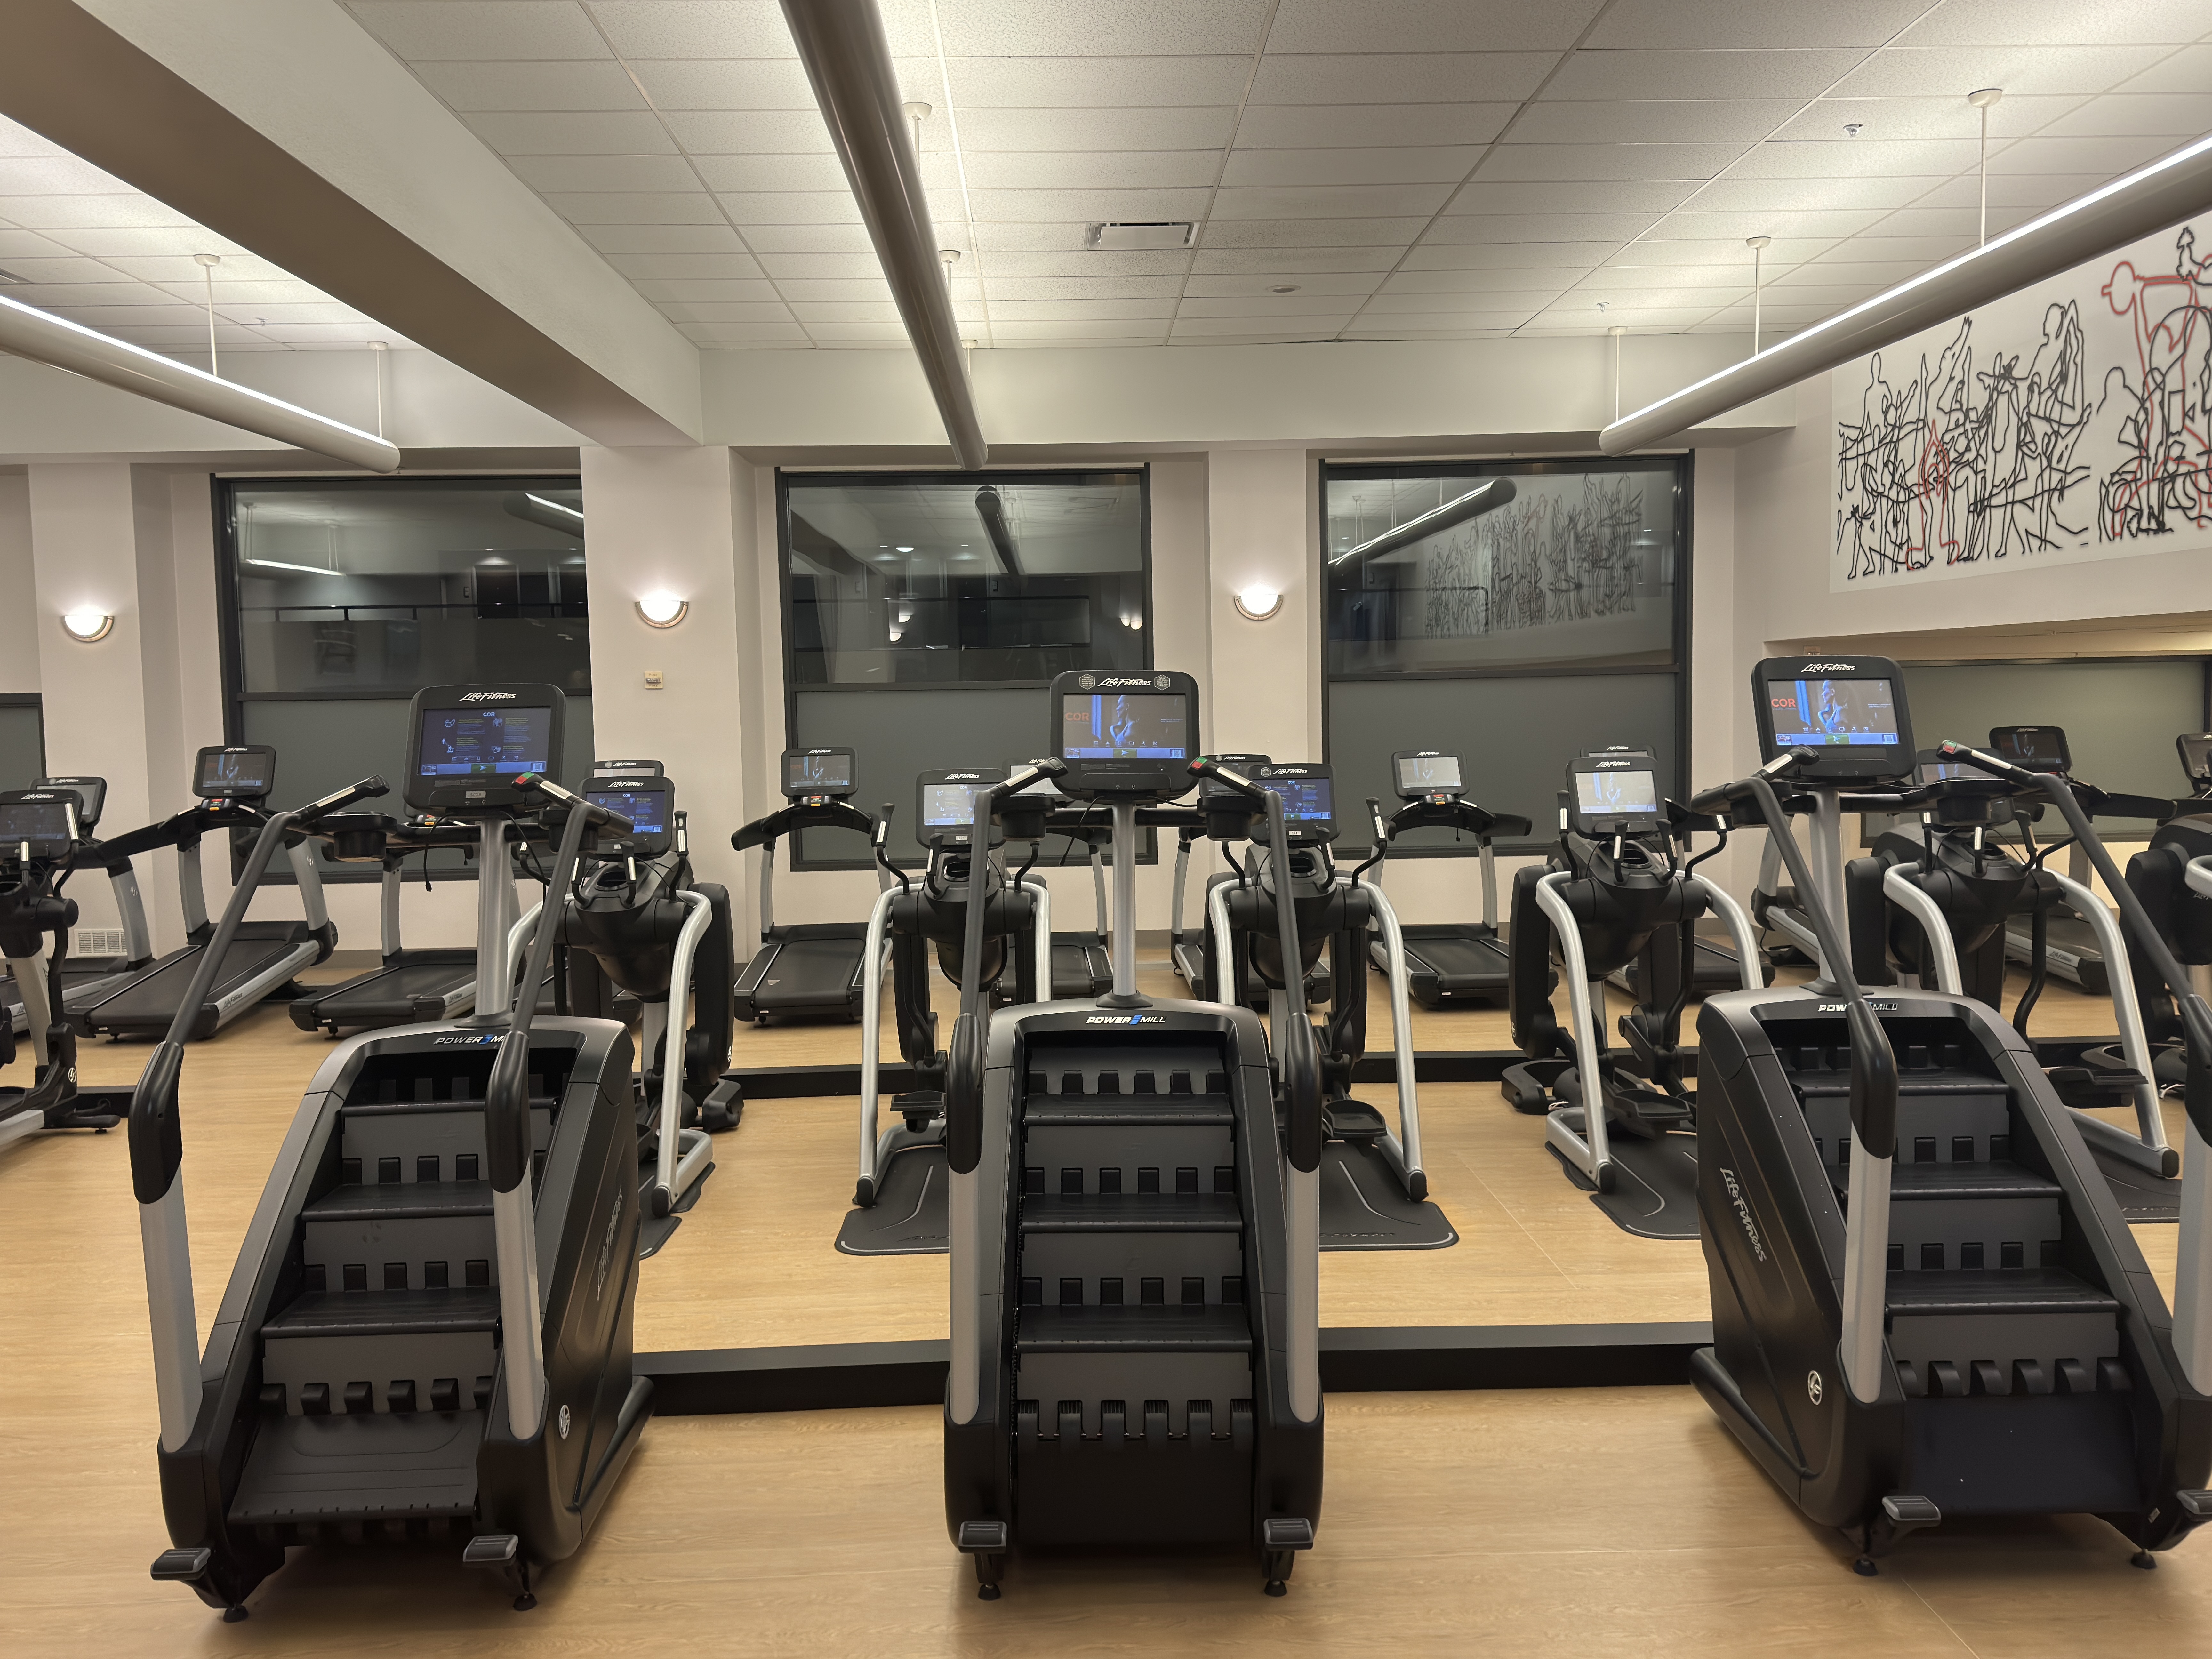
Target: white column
1265 686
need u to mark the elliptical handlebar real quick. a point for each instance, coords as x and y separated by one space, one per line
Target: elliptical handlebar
594 817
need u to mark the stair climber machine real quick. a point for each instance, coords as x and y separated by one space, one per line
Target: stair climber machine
1135 1275
1616 891
428 1332
259 960
39 839
85 978
805 970
1451 963
909 919
1936 909
1926 1305
635 919
1080 965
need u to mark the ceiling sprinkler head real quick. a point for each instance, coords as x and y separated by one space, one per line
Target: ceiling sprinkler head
1284 288
1852 128
1601 305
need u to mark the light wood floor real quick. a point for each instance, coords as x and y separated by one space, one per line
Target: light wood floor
1565 1523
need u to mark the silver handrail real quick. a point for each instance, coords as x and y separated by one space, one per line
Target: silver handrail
671 1181
874 946
1403 1150
1589 1151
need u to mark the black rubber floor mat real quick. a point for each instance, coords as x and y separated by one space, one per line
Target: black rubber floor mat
1656 1195
2141 1195
1363 1207
911 1216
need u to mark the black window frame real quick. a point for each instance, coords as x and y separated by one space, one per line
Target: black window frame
1542 837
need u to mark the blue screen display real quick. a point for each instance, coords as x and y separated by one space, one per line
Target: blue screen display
1616 794
1123 726
1306 800
950 805
464 743
645 809
1825 714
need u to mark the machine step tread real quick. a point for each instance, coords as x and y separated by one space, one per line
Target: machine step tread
410 1466
1924 1182
1995 1290
387 1313
1126 1111
1908 1087
1213 1327
1127 1212
405 1107
394 1201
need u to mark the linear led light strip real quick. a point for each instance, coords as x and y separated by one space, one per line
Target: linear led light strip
1484 496
2140 204
45 338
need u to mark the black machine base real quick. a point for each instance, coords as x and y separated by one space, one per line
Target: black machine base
1363 1207
911 1214
1655 1190
654 1232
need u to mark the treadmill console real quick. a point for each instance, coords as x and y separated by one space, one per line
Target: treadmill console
1309 802
1851 709
648 801
818 774
1426 774
1130 737
2196 751
45 820
1614 792
2036 748
945 807
91 795
466 745
238 772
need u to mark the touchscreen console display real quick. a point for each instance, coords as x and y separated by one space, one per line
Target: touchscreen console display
645 809
1429 775
465 743
235 772
42 822
817 774
1616 794
950 805
1824 713
1124 725
1306 800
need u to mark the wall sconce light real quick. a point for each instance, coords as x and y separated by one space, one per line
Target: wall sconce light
1258 603
662 610
88 626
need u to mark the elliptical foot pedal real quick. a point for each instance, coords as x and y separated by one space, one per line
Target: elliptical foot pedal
1527 1086
986 1540
1353 1122
724 1109
1281 1538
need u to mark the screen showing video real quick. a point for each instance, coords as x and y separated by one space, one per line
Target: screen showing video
468 743
950 805
817 774
1825 714
2196 755
1939 771
1043 788
1429 774
1306 800
1124 726
1616 794
39 821
2038 748
90 793
645 809
244 773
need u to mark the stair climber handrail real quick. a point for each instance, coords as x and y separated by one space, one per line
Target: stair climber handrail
507 1137
1873 1098
156 1137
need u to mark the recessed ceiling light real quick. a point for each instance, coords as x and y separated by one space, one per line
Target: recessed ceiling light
1284 288
905 549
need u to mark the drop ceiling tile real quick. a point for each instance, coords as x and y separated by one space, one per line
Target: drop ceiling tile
2014 189
132 316
597 133
1758 195
646 174
790 207
2189 70
27 245
1847 269
1075 169
1881 119
1140 27
1163 262
1738 24
2176 115
726 266
1669 74
1087 206
1800 298
1589 319
1309 233
1918 252
1298 327
1545 229
103 241
2058 23
117 289
616 206
1326 26
2104 157
183 269
845 311
480 86
330 314
417 29
1081 287
1279 307
56 175
1693 225
1942 71
750 133
1089 82
696 28
1862 157
1650 197
1440 77
105 212
1284 126
871 287
763 238
1674 252
1211 286
1522 302
1043 310
60 268
1503 279
715 237
1289 262
1547 163
855 266
1961 222
704 288
1721 280
286 291
768 310
825 172
1383 330
1735 121
1508 256
725 83
743 334
1329 201
16 139
983 131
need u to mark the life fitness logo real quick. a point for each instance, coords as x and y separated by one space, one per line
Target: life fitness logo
487 696
1829 668
1607 766
1108 682
962 777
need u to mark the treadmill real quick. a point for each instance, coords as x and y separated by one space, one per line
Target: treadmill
1081 966
1450 964
806 969
233 784
86 977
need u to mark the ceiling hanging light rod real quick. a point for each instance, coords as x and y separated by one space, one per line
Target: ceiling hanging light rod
45 338
2139 204
1489 494
1981 101
848 62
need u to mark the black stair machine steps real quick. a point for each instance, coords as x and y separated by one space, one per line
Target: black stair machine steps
84 978
233 783
39 837
812 969
1926 1305
1450 964
428 1332
1136 1312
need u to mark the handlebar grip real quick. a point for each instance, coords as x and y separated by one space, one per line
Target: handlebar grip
367 789
594 816
1711 802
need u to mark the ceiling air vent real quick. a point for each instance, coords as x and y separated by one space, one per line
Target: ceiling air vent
1131 237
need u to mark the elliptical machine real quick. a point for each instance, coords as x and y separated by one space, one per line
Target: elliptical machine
1614 892
428 1331
2172 881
